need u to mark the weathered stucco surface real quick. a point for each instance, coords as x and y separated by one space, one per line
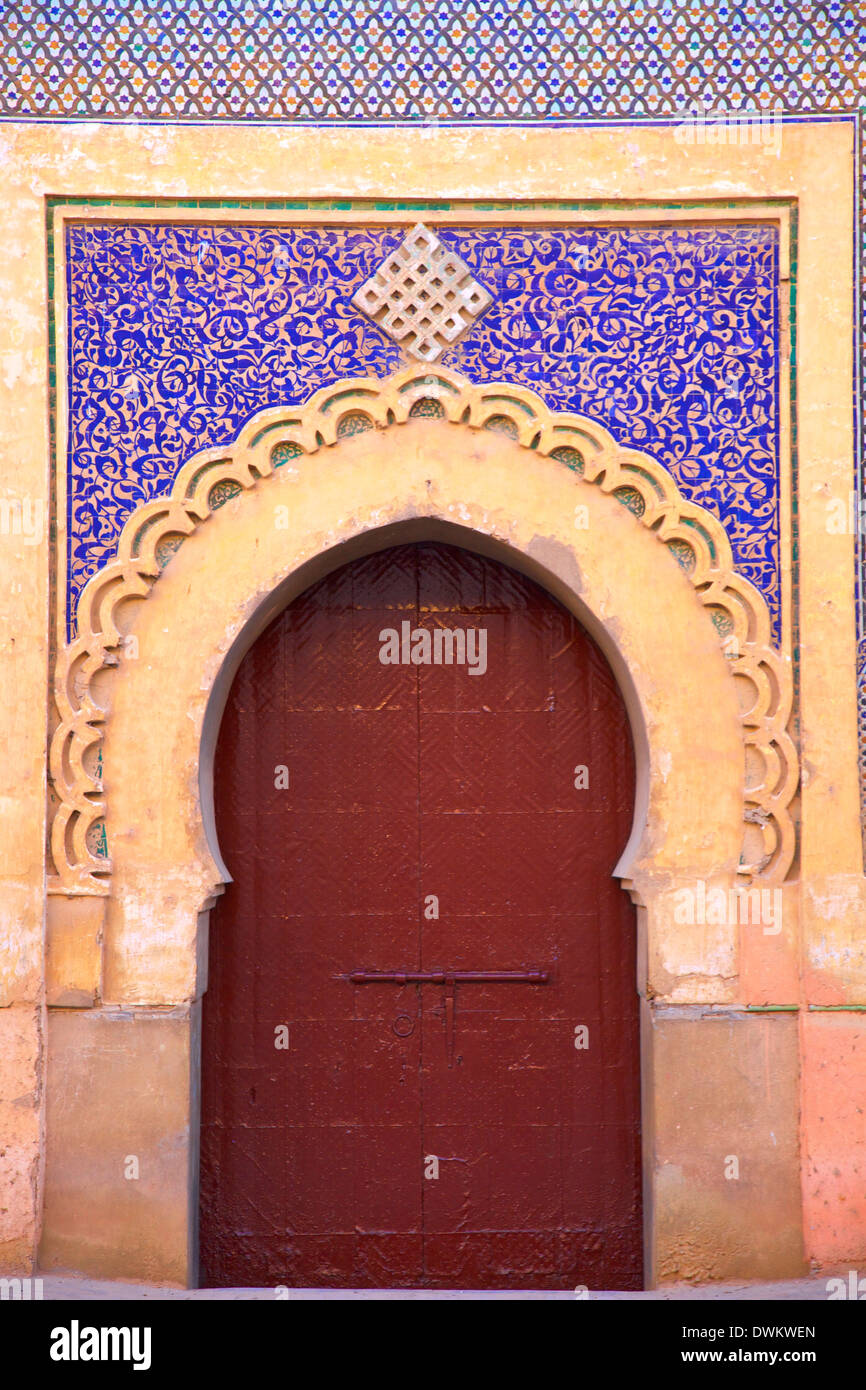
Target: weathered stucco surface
734 1077
122 1097
120 1198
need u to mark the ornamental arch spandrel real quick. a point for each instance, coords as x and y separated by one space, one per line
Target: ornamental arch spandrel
362 465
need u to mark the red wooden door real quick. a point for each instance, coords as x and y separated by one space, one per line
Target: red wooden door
428 819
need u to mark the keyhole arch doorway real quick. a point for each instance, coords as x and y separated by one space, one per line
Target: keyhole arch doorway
227 565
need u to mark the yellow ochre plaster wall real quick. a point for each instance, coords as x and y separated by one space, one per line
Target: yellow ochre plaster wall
102 1061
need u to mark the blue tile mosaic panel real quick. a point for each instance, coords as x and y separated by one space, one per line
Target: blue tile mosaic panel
381 60
178 334
441 61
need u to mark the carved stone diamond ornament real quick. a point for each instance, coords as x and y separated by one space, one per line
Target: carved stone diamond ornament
422 295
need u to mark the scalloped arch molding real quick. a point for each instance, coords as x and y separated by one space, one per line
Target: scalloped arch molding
695 540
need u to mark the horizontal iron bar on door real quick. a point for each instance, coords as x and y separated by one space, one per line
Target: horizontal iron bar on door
448 977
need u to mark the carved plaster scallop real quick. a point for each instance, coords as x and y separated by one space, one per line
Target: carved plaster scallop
695 539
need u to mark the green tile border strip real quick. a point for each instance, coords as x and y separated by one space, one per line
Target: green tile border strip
516 205
793 254
807 1008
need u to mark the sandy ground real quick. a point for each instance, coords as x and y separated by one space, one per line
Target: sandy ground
77 1287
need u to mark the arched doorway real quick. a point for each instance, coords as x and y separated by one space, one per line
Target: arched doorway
386 811
420 479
